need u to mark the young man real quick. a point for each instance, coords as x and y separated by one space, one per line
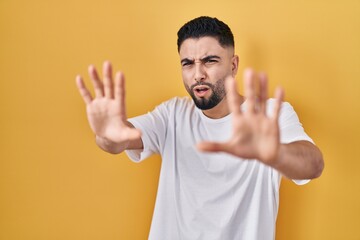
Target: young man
223 154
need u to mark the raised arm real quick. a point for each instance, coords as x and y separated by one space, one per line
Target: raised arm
256 135
106 112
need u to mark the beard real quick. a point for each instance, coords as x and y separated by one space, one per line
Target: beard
217 94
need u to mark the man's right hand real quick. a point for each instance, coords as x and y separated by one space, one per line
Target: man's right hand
107 113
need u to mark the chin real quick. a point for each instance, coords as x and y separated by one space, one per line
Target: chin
205 104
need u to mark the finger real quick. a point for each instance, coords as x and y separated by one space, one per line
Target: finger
212 147
108 82
249 88
98 86
120 92
279 96
263 96
84 92
233 97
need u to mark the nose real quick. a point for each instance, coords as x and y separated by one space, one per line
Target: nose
199 73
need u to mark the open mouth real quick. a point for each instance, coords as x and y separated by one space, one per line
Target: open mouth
201 90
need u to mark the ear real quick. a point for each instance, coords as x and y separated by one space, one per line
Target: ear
234 65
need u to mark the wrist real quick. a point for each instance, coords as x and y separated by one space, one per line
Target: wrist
111 146
274 159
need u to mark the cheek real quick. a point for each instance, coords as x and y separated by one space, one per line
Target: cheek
217 73
186 76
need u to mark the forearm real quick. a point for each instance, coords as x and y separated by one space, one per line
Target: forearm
299 160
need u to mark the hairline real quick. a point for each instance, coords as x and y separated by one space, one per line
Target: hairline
225 46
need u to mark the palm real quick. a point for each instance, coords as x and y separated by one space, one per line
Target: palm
106 112
255 134
105 119
255 137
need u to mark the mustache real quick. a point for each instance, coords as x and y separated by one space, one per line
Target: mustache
202 84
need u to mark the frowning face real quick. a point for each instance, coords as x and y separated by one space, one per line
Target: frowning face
205 65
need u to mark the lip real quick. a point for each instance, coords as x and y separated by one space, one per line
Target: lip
201 90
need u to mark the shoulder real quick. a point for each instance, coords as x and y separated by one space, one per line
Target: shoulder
286 107
271 103
287 112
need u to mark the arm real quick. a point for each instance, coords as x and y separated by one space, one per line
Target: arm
299 160
256 135
106 112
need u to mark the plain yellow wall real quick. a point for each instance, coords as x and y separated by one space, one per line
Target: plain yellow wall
56 184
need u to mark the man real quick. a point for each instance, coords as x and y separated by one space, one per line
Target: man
223 154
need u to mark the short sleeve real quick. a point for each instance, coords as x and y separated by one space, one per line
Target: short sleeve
153 126
291 129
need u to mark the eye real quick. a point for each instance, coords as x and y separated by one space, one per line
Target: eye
210 61
186 64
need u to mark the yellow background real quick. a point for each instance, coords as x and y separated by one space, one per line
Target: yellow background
56 184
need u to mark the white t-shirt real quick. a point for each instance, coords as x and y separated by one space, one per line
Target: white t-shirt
209 195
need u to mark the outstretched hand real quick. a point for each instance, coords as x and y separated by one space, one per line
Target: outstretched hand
106 112
255 133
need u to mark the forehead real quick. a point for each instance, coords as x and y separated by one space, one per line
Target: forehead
200 47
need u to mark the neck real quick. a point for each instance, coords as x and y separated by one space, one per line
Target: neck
221 110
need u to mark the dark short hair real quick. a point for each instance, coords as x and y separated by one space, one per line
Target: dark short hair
206 27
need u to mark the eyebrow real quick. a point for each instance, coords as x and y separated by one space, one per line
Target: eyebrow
204 59
209 57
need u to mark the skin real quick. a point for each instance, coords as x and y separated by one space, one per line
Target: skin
107 112
204 61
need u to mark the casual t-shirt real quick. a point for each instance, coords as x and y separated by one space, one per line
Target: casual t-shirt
209 195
